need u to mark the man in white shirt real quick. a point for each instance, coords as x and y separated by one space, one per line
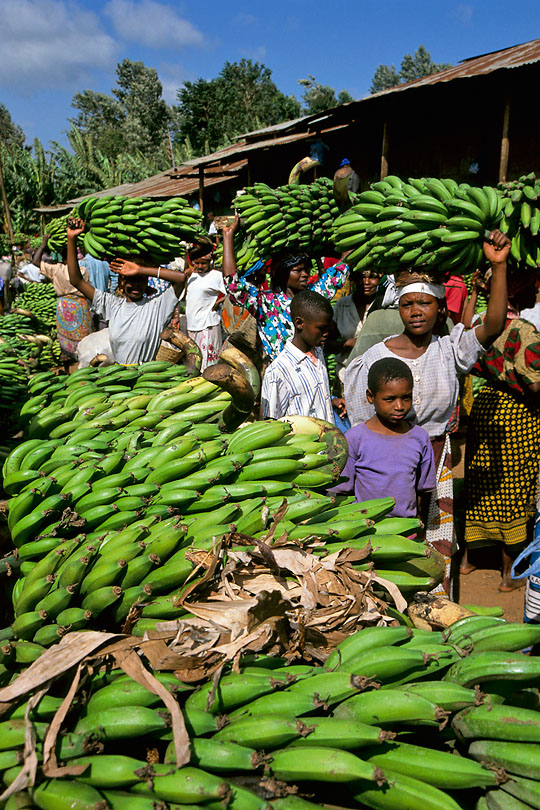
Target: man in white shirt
296 382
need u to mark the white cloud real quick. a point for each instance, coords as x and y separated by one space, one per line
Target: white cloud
463 13
50 43
153 24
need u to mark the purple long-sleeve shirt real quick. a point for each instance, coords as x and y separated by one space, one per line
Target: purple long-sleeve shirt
400 465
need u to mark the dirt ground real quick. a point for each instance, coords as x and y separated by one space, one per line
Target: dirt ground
481 587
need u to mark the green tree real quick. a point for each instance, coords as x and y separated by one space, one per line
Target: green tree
102 117
134 118
243 97
29 176
412 68
10 133
146 114
385 77
419 65
319 97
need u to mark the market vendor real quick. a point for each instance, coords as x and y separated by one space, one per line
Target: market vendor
135 321
436 363
503 446
73 316
271 307
351 311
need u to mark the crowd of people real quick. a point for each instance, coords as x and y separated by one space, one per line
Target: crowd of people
403 344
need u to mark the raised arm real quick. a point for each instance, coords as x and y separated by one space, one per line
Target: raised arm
74 229
496 251
176 278
469 308
38 255
229 260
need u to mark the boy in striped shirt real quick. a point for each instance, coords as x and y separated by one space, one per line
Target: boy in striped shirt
296 382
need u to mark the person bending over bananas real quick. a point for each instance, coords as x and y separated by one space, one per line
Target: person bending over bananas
135 322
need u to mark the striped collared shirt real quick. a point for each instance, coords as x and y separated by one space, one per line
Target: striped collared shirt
295 384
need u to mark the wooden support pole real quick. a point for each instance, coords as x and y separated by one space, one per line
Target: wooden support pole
384 151
505 142
201 188
5 200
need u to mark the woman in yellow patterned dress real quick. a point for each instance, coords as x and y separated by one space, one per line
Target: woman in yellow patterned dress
503 447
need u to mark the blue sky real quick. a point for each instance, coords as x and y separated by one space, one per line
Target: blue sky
50 49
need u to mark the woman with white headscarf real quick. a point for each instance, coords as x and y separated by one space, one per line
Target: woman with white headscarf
436 363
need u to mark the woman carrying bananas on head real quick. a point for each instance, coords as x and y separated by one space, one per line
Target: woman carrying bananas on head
436 363
271 307
73 316
135 321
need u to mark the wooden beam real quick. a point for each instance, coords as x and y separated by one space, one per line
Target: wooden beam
5 199
505 142
201 188
384 151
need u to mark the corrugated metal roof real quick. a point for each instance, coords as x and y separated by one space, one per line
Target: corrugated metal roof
241 148
181 181
284 125
171 183
517 56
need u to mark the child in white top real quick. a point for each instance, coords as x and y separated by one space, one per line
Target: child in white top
204 292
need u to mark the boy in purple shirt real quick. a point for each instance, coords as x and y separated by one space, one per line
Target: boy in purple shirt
388 455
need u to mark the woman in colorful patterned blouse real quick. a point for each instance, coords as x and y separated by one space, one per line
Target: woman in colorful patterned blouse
271 307
503 440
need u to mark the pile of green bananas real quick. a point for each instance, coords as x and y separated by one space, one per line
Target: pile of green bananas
56 229
50 354
521 218
13 377
16 323
400 718
118 479
18 338
136 227
429 224
16 331
40 300
292 217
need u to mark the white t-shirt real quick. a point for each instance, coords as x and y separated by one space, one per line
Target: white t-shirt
202 292
532 315
32 272
135 326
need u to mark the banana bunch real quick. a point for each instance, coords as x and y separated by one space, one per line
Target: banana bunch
13 377
16 323
56 229
521 218
428 224
40 301
133 226
17 337
481 301
292 217
49 356
399 717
